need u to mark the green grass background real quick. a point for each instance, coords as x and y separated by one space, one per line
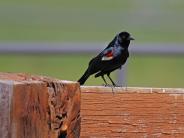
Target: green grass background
141 71
148 21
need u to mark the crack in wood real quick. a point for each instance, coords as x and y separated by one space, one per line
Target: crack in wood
57 114
38 106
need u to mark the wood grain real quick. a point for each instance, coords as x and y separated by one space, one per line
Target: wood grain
6 91
42 107
132 112
38 107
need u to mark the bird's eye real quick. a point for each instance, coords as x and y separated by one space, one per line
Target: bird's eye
123 37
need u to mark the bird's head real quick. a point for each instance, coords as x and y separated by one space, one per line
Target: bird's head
124 38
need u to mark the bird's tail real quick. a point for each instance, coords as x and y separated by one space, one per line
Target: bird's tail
84 78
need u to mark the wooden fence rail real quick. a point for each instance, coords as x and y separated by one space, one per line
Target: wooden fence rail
132 112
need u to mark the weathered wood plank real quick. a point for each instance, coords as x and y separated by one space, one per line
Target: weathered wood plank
38 107
132 112
6 91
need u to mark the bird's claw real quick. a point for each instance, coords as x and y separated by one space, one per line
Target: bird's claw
118 86
108 85
111 85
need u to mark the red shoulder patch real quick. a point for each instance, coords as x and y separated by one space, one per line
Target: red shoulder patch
109 53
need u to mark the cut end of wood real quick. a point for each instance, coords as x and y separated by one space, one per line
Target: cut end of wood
28 78
38 106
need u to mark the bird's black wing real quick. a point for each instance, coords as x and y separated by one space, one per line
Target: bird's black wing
104 59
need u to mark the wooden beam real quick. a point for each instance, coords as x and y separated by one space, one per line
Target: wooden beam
42 107
132 112
38 107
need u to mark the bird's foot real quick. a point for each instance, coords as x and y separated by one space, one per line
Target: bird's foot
108 85
111 86
118 86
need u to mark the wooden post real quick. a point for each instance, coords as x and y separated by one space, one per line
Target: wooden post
38 107
132 112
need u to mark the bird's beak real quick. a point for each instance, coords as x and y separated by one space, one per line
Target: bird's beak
131 38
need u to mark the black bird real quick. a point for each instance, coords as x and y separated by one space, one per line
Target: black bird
110 59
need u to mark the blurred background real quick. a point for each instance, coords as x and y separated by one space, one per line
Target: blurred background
79 23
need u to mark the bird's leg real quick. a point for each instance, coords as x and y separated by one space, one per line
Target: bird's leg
108 74
104 80
106 84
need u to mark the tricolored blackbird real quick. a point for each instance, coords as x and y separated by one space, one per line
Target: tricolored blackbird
110 59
